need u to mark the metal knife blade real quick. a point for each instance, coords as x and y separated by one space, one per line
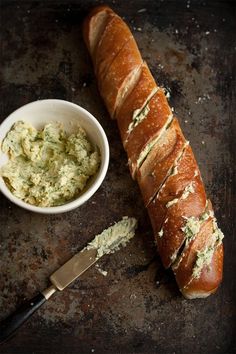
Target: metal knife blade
72 269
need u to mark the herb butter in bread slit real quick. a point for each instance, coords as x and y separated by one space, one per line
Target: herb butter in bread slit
209 278
190 227
185 261
135 103
198 255
159 157
169 222
154 119
172 182
161 161
181 180
177 185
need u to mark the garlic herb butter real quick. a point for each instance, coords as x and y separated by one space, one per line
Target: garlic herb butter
115 237
204 256
150 145
138 117
47 167
187 190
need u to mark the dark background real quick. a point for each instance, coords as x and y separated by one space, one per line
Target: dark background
137 308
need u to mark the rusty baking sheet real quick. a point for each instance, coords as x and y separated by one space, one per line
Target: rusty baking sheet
136 308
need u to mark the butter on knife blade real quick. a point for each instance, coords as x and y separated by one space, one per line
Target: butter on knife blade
109 241
116 236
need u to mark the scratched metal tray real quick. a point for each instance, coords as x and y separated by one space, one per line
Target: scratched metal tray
136 308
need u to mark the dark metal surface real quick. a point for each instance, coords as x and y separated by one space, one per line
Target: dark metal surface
136 308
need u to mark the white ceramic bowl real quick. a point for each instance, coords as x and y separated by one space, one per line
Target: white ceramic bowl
39 113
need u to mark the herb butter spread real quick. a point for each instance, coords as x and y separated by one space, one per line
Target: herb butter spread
138 116
193 224
172 202
160 233
48 167
187 190
204 258
192 227
150 145
140 113
116 236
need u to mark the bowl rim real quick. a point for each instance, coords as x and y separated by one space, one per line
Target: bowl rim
91 189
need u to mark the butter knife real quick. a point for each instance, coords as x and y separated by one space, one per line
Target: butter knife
109 241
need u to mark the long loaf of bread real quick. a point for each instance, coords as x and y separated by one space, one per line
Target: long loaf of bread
159 157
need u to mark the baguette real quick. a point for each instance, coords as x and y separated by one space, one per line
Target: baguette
159 157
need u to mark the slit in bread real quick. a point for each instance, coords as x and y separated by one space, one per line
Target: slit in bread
124 73
173 171
205 254
187 190
209 279
196 260
113 39
191 228
148 147
168 194
128 85
137 99
161 162
148 131
179 180
140 114
168 223
94 25
135 165
197 242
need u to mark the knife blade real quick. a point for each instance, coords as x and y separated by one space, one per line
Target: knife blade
72 269
109 241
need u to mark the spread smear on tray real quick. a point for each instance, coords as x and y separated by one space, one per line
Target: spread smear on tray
115 237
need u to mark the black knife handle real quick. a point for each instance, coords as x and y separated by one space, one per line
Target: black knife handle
10 324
